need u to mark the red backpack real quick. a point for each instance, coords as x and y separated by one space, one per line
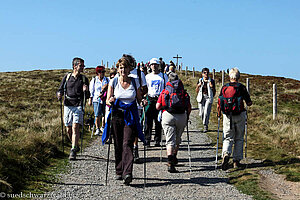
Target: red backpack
175 99
231 101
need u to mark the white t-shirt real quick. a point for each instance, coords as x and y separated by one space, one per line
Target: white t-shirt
96 87
125 95
156 83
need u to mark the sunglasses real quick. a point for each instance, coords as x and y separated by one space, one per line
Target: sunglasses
205 72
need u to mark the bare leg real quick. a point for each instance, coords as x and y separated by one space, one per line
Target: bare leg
75 136
69 132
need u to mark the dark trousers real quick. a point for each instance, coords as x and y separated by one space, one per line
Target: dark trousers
151 115
123 136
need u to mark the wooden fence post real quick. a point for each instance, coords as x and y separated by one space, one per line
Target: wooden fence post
213 75
193 72
274 101
102 63
248 85
223 76
186 69
181 67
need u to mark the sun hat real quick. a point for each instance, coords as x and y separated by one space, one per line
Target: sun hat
154 61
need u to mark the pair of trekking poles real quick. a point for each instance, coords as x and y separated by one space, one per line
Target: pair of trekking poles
246 131
108 150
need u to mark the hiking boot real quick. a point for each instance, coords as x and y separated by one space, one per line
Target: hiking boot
97 131
118 177
205 129
238 165
102 129
157 144
225 161
147 143
172 169
136 158
77 149
127 179
72 154
175 160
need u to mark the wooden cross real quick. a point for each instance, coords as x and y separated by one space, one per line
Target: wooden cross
177 57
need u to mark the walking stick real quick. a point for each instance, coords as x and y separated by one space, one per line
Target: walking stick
216 164
83 108
62 126
144 152
108 148
188 139
246 124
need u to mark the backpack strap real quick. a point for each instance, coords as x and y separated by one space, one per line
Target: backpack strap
65 84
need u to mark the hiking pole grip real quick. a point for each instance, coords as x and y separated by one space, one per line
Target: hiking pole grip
217 148
62 126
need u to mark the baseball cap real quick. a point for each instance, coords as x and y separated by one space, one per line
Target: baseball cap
154 61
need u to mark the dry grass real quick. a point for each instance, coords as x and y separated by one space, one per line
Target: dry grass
30 121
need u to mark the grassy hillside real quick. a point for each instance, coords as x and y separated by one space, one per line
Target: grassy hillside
30 124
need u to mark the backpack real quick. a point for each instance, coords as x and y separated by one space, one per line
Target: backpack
231 101
175 99
65 84
104 93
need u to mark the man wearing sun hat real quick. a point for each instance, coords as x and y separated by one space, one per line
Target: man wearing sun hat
156 82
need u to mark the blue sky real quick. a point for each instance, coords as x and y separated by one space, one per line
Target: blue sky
257 36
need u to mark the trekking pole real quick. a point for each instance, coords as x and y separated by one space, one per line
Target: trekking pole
246 124
83 108
189 151
161 141
108 148
62 126
144 152
216 164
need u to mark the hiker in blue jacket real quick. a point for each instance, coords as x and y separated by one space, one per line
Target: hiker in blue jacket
123 92
75 87
231 103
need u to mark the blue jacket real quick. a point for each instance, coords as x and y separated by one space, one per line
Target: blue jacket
131 117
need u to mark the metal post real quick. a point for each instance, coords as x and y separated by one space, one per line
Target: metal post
248 85
223 77
274 101
193 72
186 68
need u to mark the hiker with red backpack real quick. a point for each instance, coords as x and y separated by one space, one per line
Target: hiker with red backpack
98 90
206 90
231 103
75 88
176 106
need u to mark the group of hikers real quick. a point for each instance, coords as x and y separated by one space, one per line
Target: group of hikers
126 104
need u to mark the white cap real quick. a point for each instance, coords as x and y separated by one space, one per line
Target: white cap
154 61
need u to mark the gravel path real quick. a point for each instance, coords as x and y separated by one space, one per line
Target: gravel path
86 179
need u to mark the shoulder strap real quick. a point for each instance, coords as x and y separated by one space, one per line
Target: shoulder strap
115 82
139 76
133 83
65 84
